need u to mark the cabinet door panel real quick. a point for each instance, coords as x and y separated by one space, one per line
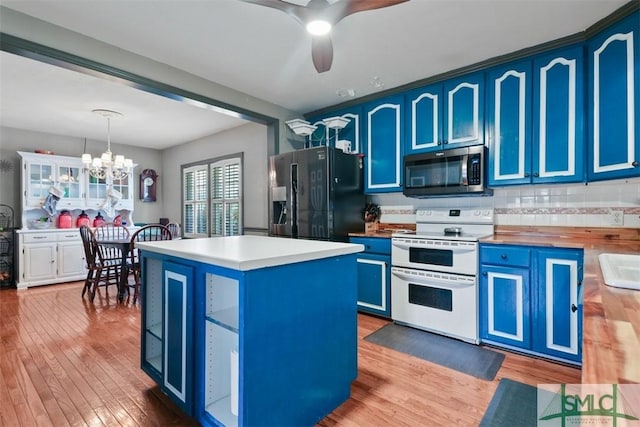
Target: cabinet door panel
384 149
178 320
558 110
374 284
423 121
71 261
614 92
510 124
464 110
559 313
505 305
40 262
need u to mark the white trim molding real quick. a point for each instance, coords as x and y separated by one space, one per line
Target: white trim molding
522 80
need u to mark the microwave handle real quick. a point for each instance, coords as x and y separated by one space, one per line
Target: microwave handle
464 175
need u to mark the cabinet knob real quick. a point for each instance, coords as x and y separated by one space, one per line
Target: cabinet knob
535 174
503 256
526 174
634 163
446 142
52 261
484 273
573 308
439 142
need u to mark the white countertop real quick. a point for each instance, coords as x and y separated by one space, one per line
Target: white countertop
250 252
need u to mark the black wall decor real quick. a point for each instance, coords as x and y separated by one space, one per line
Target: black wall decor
148 184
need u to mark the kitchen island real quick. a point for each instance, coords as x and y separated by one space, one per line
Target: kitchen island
250 330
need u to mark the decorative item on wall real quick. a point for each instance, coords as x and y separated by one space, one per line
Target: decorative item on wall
148 181
5 166
107 166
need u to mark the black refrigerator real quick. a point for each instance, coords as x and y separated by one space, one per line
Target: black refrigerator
316 193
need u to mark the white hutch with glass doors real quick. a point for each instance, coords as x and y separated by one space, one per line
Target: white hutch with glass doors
49 185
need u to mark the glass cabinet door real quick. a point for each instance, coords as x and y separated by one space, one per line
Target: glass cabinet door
40 180
122 185
97 188
70 181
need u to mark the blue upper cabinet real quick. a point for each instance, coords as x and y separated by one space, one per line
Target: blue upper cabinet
383 135
349 135
614 93
535 110
424 119
509 120
445 115
558 109
464 110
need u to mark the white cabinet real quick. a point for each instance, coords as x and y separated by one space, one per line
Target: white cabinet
49 256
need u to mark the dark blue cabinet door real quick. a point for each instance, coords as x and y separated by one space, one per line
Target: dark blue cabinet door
614 94
383 136
374 284
464 110
509 121
558 321
505 306
423 119
178 327
558 110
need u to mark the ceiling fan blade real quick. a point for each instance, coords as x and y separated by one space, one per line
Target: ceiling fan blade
322 53
344 8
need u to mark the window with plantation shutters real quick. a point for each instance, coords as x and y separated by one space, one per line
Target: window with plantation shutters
225 197
212 195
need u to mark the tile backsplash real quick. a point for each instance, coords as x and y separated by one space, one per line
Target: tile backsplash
598 204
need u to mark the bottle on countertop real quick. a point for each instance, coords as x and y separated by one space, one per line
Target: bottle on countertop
98 220
83 219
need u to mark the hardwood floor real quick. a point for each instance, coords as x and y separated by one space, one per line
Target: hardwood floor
65 361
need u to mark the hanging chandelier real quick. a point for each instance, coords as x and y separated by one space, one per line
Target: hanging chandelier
107 166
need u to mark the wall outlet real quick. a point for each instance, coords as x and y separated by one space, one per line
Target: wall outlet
616 217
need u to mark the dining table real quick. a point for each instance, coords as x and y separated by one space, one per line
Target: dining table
123 245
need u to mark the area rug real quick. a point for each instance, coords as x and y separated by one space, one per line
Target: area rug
513 404
451 353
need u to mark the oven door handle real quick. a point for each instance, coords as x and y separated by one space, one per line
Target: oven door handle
458 249
422 280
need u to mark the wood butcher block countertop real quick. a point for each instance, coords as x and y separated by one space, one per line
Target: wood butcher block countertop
611 328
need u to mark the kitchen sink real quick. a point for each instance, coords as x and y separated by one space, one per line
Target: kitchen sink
621 270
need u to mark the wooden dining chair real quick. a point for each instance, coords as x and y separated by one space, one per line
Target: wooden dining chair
103 267
147 233
112 231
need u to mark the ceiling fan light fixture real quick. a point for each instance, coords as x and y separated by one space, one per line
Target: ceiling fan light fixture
318 27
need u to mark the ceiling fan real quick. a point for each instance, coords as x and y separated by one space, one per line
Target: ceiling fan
318 16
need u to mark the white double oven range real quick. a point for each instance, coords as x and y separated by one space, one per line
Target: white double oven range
434 274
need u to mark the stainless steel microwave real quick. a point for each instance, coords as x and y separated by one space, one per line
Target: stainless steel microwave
458 171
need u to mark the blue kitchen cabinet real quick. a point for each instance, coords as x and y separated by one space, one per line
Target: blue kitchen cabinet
350 133
383 134
505 300
374 275
558 324
445 115
535 111
614 95
531 300
167 322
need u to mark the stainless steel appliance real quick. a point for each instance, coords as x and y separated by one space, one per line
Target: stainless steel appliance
434 283
316 193
456 171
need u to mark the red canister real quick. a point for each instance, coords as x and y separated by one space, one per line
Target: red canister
83 219
65 220
98 220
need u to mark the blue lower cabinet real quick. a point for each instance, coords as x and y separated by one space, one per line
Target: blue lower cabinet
558 326
374 275
505 305
531 300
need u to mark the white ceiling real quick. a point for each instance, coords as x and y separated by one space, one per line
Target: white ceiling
266 53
